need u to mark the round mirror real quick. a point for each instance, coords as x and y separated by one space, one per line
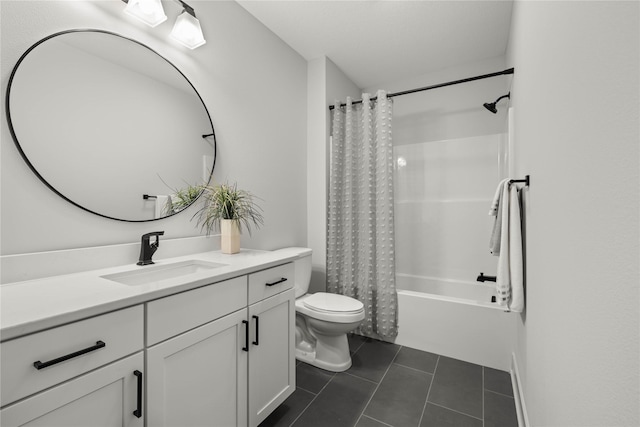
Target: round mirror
110 125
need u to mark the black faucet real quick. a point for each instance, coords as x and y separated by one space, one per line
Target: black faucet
483 278
147 249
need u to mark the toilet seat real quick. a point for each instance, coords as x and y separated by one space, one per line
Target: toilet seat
332 303
330 307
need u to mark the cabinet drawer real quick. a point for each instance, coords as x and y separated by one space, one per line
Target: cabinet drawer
120 331
271 281
106 396
172 315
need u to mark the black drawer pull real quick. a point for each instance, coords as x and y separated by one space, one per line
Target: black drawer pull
41 365
284 279
257 329
246 336
138 411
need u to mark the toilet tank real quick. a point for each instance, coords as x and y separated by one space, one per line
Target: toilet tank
302 268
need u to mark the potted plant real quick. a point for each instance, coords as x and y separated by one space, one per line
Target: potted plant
229 209
181 199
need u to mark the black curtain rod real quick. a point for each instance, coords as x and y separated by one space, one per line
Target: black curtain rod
455 82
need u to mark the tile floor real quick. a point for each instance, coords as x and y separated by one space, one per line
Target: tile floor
391 385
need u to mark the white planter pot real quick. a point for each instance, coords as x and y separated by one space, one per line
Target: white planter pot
229 236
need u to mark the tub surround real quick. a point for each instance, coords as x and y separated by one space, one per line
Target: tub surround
33 305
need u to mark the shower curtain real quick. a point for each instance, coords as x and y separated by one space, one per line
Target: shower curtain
360 240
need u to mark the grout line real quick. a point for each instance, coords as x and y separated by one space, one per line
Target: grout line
359 377
459 412
498 393
303 411
415 369
378 386
424 408
374 419
483 390
359 347
312 400
308 391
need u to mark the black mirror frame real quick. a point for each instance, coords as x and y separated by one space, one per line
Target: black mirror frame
32 167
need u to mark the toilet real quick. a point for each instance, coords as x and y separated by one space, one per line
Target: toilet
322 320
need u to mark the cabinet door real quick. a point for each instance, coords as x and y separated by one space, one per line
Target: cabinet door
199 378
271 355
105 397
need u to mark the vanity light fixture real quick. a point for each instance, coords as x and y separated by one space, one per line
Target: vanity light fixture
186 30
148 11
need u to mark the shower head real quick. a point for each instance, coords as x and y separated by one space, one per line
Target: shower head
492 106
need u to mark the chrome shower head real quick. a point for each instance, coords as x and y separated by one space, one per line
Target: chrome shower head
492 106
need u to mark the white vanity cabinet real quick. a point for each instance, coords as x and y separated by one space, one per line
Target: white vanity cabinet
272 342
222 355
218 355
107 397
199 377
76 374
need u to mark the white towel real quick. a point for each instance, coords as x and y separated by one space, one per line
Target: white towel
510 279
164 206
496 210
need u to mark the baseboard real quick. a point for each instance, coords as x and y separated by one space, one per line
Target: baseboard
521 408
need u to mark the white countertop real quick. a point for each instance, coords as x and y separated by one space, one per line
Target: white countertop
33 305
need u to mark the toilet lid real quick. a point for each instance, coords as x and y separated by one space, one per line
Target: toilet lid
333 303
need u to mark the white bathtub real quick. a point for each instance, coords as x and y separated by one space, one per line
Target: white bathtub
455 319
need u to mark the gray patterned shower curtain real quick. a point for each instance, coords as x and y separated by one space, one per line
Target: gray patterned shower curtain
360 237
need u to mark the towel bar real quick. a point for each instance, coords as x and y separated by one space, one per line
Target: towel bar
526 181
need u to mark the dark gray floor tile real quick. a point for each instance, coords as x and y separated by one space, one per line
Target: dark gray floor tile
355 341
339 404
498 381
311 378
499 410
437 416
400 398
290 409
372 359
457 385
417 359
369 422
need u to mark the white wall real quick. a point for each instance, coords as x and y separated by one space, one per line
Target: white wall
575 99
253 84
326 83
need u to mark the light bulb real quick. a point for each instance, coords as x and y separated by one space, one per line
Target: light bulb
187 31
147 6
148 11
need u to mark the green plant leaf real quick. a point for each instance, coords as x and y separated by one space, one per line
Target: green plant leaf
226 201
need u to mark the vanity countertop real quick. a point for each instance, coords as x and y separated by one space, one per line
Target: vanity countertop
33 305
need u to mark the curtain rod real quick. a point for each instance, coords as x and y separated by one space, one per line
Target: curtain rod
454 82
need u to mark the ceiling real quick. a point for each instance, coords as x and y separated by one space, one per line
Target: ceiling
375 42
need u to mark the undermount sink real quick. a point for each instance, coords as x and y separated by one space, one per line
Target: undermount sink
161 272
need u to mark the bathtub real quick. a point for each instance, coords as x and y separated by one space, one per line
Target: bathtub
455 319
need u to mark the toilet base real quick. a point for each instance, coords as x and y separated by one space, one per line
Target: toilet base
331 353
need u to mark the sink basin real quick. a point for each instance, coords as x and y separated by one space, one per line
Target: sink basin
161 272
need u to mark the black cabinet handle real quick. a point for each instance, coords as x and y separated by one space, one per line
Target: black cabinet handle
246 336
41 365
138 412
284 279
257 329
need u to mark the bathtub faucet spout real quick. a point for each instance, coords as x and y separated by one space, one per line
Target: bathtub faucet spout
483 278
